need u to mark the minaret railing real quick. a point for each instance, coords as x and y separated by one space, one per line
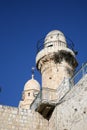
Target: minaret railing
54 96
40 43
78 75
46 95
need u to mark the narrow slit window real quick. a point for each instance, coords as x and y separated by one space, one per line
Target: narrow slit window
28 94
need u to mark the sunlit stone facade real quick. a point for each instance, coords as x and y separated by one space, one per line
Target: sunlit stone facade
57 63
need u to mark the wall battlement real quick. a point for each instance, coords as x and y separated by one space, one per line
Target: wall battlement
71 114
12 118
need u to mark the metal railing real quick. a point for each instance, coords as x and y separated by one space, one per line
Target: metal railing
53 96
67 84
63 88
40 43
46 95
78 75
36 101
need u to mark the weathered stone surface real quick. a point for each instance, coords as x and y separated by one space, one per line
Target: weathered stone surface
20 119
71 114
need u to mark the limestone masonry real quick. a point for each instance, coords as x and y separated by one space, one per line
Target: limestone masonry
61 102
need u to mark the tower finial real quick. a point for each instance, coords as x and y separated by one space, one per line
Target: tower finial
33 68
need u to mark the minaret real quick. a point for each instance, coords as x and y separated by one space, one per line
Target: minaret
55 61
31 89
57 64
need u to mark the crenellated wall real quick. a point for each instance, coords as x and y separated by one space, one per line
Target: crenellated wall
12 118
70 114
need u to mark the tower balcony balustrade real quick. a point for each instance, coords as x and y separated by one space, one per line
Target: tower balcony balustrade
47 98
59 42
44 102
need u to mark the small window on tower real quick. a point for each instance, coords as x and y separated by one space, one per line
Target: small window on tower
51 37
28 94
49 45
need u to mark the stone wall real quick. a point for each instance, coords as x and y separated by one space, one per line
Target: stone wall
12 118
71 114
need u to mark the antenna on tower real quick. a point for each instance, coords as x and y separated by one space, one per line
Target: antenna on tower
33 68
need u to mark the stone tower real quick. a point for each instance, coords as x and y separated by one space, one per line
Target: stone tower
55 61
31 89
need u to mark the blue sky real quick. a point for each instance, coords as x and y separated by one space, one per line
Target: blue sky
22 24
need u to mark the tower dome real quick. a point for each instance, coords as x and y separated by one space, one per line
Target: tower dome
32 84
54 36
31 89
54 32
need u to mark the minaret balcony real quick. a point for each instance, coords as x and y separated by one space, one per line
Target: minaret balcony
48 98
45 102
